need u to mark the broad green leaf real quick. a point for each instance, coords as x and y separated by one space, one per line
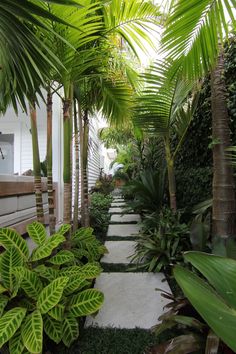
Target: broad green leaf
11 258
86 302
220 317
64 229
83 233
75 283
3 302
57 312
51 295
46 272
70 330
11 238
46 249
62 257
219 271
10 322
37 232
52 328
2 289
32 332
91 271
16 345
30 283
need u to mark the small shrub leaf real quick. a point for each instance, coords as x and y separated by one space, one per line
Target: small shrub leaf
52 328
3 302
16 345
37 232
32 332
62 257
86 302
70 330
11 258
75 283
64 229
11 238
10 322
51 295
46 249
57 312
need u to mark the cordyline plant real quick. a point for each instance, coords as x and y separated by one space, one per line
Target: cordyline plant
45 291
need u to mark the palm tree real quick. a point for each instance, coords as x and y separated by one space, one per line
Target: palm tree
52 219
36 163
194 36
164 110
24 58
97 22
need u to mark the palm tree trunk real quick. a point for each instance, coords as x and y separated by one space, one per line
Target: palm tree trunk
86 221
36 164
171 176
81 132
52 219
224 206
67 160
76 192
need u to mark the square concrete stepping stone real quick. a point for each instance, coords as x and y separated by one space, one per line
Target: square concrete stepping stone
123 230
118 204
130 300
119 211
125 218
119 252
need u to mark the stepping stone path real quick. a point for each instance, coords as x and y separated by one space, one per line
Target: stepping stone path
131 299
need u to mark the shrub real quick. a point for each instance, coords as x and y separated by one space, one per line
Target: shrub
148 191
158 249
99 217
103 185
46 291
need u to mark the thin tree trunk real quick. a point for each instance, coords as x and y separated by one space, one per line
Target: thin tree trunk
52 219
171 177
67 160
224 207
36 164
81 132
76 192
85 169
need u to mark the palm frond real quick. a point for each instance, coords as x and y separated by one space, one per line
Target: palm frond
193 32
133 20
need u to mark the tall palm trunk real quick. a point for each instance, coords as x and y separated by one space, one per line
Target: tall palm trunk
81 133
171 175
36 164
86 221
52 219
67 159
76 191
224 207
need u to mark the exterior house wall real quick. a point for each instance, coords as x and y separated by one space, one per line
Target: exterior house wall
19 125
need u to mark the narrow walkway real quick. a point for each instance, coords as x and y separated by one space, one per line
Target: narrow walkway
131 299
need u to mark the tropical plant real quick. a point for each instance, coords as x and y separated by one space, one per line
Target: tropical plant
189 331
45 291
104 184
25 59
194 36
99 216
86 245
148 191
52 218
214 296
164 109
158 250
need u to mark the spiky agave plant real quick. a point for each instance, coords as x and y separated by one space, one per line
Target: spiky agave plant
41 292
